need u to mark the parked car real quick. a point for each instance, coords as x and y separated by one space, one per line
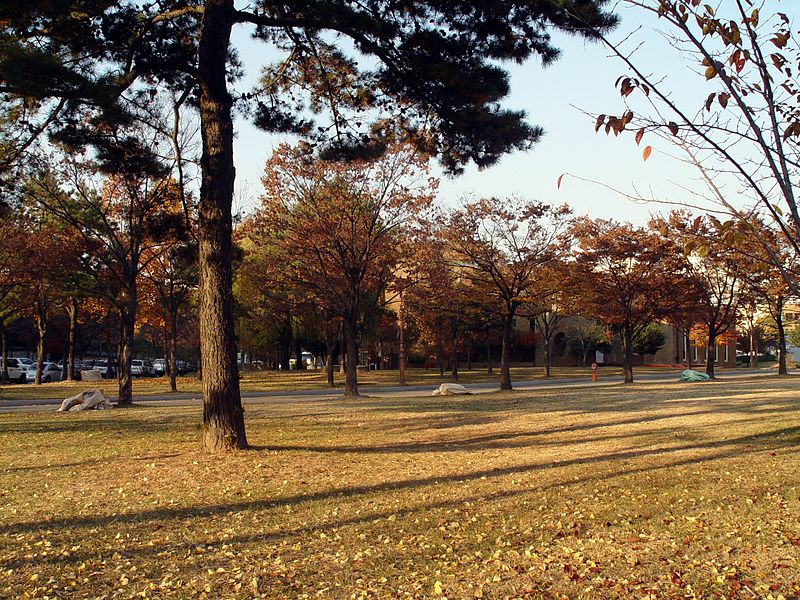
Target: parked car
25 362
16 370
142 368
50 372
159 367
77 367
101 365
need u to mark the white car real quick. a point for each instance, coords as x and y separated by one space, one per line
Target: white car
50 372
16 370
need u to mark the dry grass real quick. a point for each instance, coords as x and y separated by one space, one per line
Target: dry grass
265 381
673 491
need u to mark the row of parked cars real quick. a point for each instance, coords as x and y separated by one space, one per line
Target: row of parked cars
22 370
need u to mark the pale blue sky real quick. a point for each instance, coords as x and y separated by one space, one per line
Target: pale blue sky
582 80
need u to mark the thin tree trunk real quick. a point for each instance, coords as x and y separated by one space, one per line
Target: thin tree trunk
3 340
401 351
454 355
171 364
330 349
351 366
627 354
782 368
753 351
41 331
329 356
688 350
505 354
712 344
440 351
489 368
547 352
72 313
342 350
124 358
223 416
298 351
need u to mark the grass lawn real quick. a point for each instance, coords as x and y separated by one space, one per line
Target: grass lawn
262 381
667 491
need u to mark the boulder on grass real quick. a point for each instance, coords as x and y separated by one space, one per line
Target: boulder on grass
91 375
450 389
88 400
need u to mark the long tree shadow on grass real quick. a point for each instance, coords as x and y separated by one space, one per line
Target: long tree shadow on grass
735 447
739 446
506 440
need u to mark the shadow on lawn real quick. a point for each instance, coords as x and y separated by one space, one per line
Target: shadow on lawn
735 447
719 451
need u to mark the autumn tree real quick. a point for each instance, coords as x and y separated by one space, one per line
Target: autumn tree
741 132
765 284
629 277
341 229
503 247
442 301
123 224
587 336
717 271
13 275
551 306
170 269
429 73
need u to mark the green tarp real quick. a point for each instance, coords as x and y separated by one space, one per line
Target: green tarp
690 375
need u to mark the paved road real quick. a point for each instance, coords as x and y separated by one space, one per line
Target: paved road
188 399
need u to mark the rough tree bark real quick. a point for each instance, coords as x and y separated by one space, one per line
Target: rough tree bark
223 417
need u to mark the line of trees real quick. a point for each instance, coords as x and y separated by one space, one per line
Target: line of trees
357 243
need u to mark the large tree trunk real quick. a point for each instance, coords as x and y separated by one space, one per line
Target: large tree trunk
505 354
712 345
124 358
72 313
627 354
223 416
351 365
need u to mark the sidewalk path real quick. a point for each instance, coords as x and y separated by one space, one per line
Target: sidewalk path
190 399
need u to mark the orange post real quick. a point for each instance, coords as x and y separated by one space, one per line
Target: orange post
594 371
